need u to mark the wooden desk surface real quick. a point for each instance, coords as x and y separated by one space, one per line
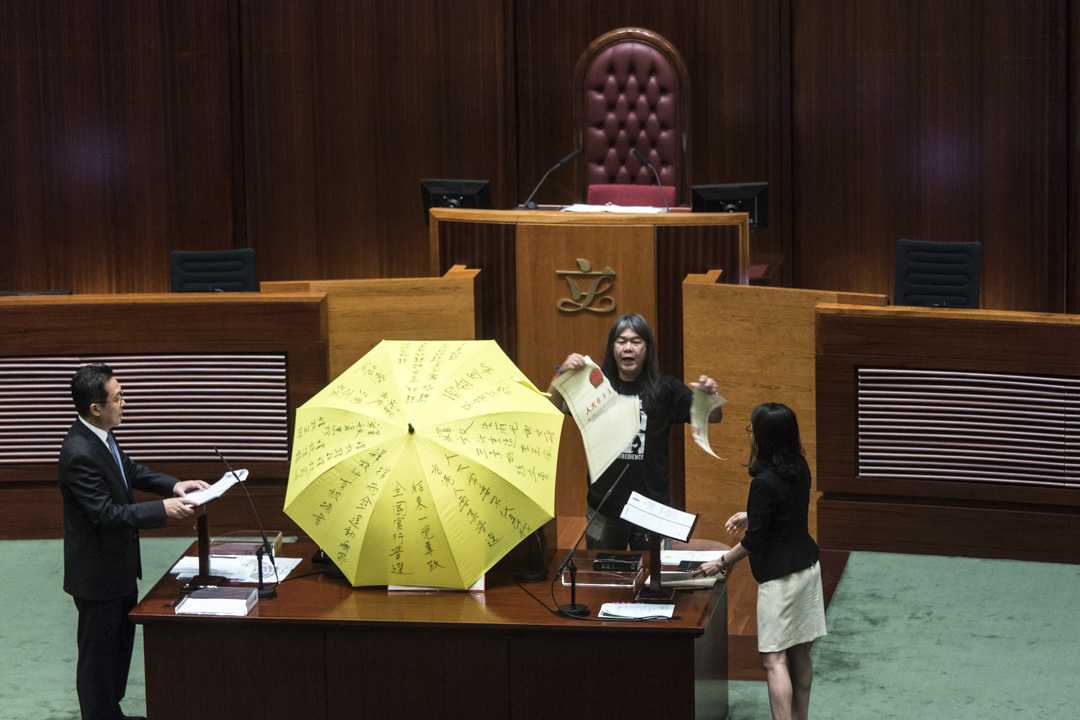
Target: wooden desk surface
323 649
308 595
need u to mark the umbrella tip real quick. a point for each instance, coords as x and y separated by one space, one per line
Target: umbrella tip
411 429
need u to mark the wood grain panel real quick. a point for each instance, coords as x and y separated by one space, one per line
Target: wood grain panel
950 515
949 529
116 141
362 313
162 324
758 343
491 247
346 107
548 334
932 121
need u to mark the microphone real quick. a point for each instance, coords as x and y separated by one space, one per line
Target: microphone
645 161
266 592
576 609
529 204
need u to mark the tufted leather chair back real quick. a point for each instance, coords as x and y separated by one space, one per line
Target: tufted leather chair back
632 88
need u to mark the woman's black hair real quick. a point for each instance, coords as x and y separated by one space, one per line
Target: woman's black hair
650 371
775 444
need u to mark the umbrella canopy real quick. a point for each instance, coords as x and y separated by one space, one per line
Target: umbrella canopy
424 463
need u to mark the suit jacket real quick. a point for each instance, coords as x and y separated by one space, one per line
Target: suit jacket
101 517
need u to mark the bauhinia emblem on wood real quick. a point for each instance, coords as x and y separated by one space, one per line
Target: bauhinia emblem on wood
594 298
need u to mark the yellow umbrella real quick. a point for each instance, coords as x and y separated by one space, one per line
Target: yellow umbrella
424 463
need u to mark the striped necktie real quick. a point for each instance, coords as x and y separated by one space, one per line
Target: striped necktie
116 456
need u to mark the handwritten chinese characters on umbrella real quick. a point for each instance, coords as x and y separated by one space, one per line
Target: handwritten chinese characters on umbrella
424 463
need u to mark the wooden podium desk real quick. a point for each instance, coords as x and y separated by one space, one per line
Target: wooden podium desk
551 283
323 649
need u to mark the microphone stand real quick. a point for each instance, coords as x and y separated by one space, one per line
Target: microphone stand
645 161
534 571
529 204
576 609
266 592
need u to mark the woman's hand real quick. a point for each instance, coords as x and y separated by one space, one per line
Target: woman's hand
719 566
736 523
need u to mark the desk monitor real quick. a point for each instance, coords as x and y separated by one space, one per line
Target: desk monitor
751 198
455 194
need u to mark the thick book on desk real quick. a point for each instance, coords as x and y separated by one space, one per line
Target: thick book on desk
685 581
234 601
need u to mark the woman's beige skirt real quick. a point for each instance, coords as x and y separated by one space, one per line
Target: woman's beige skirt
790 610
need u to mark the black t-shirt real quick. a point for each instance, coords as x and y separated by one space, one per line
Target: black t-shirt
647 454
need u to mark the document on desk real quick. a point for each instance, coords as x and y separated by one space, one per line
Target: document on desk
608 207
608 421
701 406
636 611
239 568
674 557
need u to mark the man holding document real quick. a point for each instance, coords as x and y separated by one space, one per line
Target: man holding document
101 536
630 364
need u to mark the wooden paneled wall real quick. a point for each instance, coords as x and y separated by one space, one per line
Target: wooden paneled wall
301 128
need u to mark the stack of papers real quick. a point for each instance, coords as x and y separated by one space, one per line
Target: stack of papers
234 601
636 611
643 209
201 497
239 568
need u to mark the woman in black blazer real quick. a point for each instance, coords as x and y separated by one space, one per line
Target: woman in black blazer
783 558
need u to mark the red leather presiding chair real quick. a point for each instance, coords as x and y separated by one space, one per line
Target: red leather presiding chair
633 88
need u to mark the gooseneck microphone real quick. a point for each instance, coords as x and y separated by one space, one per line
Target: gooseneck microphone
266 592
645 161
529 204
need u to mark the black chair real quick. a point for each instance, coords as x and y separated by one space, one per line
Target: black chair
213 270
937 274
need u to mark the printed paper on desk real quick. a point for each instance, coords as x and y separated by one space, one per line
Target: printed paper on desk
608 421
701 406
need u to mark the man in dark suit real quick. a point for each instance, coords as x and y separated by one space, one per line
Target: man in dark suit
101 537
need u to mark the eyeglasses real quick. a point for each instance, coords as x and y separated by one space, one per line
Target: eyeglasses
118 398
749 430
622 342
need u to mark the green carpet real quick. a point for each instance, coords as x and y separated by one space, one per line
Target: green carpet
37 636
951 638
909 637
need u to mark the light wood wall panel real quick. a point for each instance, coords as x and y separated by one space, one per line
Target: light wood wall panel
759 345
362 313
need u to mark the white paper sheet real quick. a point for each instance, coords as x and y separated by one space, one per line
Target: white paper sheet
201 497
701 406
657 517
607 420
626 611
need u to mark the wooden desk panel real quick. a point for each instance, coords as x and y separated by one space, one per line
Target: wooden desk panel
950 515
428 654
